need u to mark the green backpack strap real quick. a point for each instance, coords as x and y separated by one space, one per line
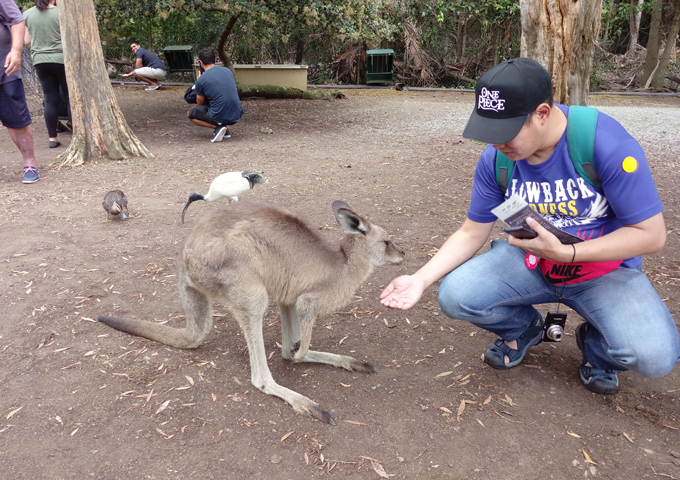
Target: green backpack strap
504 167
581 126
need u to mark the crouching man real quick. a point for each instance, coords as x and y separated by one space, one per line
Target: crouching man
148 67
218 104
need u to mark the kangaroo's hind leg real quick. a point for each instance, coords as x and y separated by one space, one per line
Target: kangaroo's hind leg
198 312
248 304
290 335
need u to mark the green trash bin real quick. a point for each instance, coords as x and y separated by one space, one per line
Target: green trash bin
180 59
380 66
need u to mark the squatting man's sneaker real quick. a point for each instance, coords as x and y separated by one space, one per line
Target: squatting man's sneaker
220 132
31 175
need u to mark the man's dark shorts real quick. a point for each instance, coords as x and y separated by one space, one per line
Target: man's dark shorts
200 112
13 108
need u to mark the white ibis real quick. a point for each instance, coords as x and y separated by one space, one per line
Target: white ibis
230 185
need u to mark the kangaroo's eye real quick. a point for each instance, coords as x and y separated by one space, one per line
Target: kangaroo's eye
387 243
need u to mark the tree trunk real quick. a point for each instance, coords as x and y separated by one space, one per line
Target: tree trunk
560 35
634 23
608 20
662 68
652 58
99 128
226 61
299 49
460 46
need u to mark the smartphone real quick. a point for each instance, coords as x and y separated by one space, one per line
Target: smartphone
520 232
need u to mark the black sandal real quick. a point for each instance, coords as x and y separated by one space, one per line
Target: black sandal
594 379
495 355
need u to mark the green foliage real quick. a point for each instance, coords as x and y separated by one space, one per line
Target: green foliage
455 40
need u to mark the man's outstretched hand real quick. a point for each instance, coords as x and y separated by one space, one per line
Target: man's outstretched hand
403 292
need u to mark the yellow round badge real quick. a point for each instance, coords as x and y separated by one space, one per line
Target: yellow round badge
629 164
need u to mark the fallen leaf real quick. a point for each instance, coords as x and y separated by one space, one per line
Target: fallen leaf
461 409
443 351
237 381
487 401
378 468
345 385
353 422
13 412
628 437
74 431
287 435
444 409
163 406
480 422
214 397
587 457
573 434
444 374
189 379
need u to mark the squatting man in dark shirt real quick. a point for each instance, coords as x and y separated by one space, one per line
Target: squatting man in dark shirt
217 97
148 67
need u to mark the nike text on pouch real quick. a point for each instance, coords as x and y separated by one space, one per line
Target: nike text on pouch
562 272
488 100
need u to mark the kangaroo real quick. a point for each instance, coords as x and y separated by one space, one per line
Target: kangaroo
249 252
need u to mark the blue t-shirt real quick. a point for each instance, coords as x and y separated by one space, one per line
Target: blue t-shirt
555 190
150 59
218 85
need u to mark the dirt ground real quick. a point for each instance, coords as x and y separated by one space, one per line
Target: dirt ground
80 400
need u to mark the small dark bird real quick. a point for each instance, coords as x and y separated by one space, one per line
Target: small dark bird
230 185
115 203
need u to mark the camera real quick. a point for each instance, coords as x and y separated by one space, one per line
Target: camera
553 329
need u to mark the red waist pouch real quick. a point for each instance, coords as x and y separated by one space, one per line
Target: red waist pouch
568 273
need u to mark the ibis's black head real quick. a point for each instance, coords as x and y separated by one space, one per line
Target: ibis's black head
254 177
192 198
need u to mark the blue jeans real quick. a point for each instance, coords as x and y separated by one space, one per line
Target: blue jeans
631 328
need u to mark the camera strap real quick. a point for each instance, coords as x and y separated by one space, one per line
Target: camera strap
564 280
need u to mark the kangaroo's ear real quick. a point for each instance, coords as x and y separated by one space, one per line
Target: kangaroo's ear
349 220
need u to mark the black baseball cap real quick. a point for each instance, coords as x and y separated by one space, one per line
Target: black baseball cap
505 95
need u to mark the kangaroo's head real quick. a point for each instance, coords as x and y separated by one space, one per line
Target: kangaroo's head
380 249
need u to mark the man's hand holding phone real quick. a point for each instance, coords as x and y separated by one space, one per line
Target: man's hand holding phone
520 232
